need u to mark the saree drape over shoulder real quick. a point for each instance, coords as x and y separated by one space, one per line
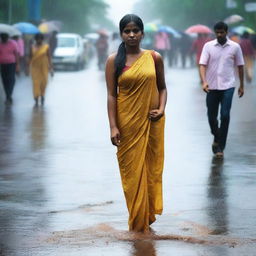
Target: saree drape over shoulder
141 151
39 68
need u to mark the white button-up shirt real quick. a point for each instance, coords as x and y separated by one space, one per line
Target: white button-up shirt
221 63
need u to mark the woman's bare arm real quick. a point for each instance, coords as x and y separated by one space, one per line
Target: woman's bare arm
156 114
112 100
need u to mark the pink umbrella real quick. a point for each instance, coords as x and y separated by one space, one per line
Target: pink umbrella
199 28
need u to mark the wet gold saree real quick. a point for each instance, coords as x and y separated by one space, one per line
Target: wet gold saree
39 68
141 151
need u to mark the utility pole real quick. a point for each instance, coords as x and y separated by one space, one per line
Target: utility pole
10 12
34 10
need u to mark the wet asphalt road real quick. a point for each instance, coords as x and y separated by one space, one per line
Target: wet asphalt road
60 189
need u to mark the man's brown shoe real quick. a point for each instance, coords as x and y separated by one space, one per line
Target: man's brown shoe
215 147
219 155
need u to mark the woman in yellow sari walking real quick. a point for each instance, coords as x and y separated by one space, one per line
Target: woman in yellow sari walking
136 102
40 66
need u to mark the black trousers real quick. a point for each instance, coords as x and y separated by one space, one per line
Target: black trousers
8 78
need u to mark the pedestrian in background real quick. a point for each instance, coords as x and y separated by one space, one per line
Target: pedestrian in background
53 41
220 60
197 47
20 45
102 50
9 61
234 37
40 66
162 43
114 43
172 52
184 46
136 104
248 53
28 42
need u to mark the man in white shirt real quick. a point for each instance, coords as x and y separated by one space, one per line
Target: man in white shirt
220 60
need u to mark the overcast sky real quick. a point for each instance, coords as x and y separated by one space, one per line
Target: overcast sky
119 8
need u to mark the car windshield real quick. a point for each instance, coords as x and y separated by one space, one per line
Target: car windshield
66 42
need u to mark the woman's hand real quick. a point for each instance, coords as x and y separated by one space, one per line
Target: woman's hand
155 114
115 136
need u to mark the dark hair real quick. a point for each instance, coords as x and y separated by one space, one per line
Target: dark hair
221 25
246 35
39 36
4 37
121 53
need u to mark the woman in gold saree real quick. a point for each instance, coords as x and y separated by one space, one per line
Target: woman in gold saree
136 103
40 65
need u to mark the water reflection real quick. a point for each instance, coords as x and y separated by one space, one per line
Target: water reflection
6 135
144 248
38 128
22 169
217 198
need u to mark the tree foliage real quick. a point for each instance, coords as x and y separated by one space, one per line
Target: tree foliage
183 13
13 11
76 15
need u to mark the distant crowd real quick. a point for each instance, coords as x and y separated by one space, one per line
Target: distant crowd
178 51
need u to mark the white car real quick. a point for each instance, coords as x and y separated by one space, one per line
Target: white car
69 51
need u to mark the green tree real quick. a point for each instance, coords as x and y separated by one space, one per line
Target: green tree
183 13
13 11
77 16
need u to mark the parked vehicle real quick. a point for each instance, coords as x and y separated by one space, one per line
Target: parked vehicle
69 51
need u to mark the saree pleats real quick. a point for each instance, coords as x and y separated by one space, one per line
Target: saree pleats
141 151
39 68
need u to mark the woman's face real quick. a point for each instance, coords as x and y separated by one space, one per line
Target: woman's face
39 40
132 35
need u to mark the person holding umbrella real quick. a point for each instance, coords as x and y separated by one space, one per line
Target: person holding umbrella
220 60
53 41
102 48
9 62
40 66
249 55
21 49
162 43
197 47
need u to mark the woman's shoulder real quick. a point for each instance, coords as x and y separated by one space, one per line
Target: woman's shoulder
111 57
156 55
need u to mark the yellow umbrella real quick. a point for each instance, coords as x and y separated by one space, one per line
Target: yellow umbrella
48 27
241 29
150 27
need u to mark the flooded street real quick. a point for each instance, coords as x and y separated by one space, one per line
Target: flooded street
60 188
